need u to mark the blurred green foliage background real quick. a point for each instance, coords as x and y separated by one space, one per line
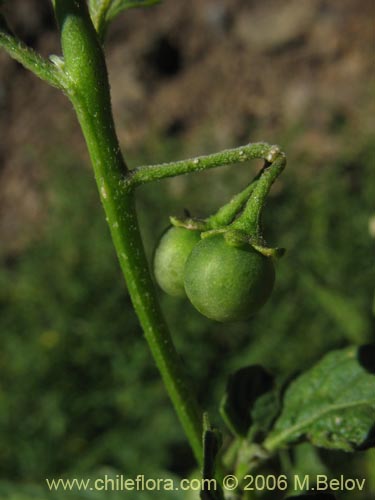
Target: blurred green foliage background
79 392
78 387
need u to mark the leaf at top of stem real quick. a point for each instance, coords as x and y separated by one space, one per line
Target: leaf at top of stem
103 11
332 405
118 6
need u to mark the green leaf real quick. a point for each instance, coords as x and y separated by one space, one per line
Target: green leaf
118 6
98 12
332 404
97 5
264 412
246 387
103 11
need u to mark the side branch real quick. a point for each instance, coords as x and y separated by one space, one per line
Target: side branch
26 56
252 151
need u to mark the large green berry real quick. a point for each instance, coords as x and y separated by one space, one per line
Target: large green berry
170 256
226 282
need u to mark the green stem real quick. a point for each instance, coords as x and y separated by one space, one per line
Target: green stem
89 94
83 77
150 173
250 219
30 59
225 215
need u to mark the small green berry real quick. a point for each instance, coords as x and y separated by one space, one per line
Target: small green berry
170 256
226 282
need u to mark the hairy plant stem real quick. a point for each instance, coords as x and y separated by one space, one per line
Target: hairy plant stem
89 93
250 219
82 75
226 213
28 57
150 173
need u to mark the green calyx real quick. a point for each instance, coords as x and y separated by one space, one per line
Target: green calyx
240 239
190 223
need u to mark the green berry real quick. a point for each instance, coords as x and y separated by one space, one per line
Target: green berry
170 256
226 282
